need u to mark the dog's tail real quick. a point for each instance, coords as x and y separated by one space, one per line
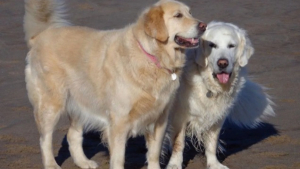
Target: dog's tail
252 106
42 14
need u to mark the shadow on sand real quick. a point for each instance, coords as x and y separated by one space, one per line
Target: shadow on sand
91 146
135 150
234 139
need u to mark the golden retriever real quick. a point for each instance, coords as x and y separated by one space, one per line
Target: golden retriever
120 82
214 85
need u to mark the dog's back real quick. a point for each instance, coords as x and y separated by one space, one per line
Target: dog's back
42 14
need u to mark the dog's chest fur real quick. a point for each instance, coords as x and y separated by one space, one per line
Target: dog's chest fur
146 111
205 109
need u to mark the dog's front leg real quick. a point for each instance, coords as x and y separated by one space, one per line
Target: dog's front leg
178 122
154 141
177 138
117 137
75 145
211 145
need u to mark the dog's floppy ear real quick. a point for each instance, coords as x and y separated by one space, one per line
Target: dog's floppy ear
154 24
201 56
245 49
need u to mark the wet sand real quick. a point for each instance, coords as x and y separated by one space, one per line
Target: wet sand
274 29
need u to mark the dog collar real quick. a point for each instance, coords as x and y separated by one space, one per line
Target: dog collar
156 62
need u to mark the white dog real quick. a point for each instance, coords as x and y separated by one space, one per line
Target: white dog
214 84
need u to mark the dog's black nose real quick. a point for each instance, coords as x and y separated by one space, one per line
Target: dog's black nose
222 63
202 26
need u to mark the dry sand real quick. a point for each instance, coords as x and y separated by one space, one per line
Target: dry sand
273 27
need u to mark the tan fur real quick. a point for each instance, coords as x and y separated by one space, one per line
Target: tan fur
102 79
154 24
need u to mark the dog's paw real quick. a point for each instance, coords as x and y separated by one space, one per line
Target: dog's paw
88 164
216 166
173 166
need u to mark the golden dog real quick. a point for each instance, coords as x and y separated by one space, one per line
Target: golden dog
120 82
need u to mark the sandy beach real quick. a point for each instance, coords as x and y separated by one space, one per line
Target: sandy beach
274 29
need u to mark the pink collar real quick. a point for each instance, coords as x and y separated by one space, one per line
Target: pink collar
153 58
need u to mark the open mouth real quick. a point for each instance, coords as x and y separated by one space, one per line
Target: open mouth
222 77
187 42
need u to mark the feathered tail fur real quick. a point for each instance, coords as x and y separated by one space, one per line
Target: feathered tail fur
251 106
42 14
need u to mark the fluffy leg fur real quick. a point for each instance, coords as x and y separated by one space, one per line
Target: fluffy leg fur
117 137
49 120
178 135
211 144
154 141
75 146
47 111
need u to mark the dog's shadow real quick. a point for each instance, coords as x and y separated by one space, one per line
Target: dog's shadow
135 157
91 146
233 140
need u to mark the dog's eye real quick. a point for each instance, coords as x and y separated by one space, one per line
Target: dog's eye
212 45
190 12
178 15
231 46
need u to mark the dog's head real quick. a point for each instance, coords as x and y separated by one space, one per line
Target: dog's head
225 48
171 22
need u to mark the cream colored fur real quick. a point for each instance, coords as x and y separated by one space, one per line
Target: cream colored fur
202 103
102 79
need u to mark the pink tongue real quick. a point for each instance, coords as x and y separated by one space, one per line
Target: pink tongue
223 77
192 40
